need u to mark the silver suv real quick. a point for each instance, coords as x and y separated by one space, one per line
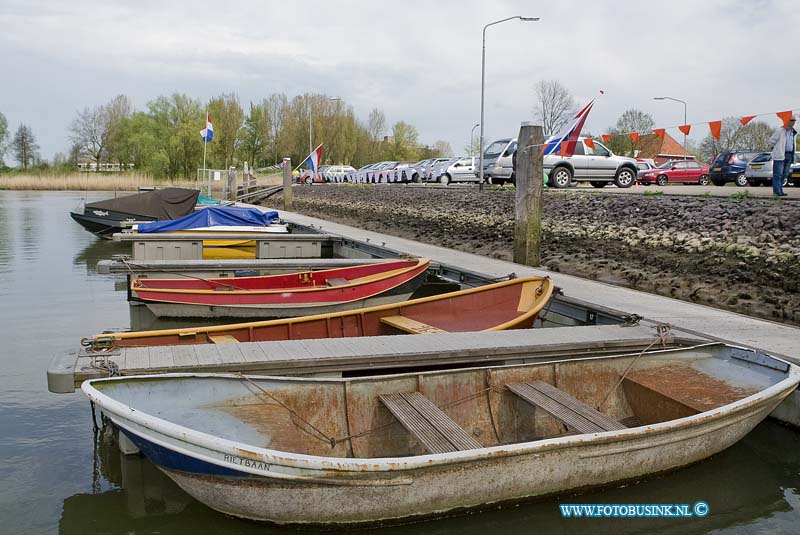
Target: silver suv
596 165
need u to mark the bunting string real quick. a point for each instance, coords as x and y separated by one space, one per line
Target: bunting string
714 127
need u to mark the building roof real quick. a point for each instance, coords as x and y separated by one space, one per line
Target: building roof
653 146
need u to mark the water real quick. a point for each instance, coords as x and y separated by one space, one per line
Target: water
57 476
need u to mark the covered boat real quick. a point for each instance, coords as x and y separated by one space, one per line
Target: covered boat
282 296
503 305
104 218
344 452
221 220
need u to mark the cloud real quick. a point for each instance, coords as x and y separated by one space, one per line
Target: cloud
418 61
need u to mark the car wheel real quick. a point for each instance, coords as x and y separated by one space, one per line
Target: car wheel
444 180
598 183
561 177
703 180
661 180
415 178
741 180
625 178
513 179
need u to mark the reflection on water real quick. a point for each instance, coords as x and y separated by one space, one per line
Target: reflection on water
57 476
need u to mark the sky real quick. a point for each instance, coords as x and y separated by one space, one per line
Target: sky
417 61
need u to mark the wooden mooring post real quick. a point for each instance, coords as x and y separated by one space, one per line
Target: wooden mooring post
287 184
528 204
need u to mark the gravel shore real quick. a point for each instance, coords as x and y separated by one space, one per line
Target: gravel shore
742 256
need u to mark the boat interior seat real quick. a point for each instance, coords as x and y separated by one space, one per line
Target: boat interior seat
223 339
573 412
337 281
410 325
429 424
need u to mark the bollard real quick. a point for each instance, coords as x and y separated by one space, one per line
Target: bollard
287 184
528 202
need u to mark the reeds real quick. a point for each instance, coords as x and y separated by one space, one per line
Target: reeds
107 182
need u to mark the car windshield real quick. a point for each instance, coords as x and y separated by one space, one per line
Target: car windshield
495 149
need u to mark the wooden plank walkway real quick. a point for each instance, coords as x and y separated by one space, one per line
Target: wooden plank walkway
339 355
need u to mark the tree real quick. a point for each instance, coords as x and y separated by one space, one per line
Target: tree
255 134
94 127
733 136
443 148
631 120
277 108
3 137
227 116
555 106
403 144
24 146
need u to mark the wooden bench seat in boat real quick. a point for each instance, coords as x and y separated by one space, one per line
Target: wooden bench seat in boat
573 412
223 339
428 423
409 325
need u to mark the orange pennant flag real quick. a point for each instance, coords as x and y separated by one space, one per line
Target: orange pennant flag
745 120
785 116
659 132
634 136
564 150
606 137
685 129
589 142
715 127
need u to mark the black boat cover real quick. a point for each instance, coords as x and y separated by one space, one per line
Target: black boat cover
161 204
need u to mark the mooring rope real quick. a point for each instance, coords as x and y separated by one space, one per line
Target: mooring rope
661 336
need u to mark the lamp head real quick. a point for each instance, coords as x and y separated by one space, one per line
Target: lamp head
529 19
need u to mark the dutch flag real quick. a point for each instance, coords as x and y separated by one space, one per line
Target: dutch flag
207 133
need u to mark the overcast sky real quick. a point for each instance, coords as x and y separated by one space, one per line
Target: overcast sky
418 61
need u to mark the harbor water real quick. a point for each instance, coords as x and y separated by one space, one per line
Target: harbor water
59 475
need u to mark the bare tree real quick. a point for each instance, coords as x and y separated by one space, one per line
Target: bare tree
93 129
631 120
24 146
443 148
277 108
555 106
734 136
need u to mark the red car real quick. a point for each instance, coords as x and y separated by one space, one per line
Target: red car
686 171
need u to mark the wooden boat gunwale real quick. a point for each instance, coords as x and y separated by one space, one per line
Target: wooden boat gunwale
136 283
278 460
545 291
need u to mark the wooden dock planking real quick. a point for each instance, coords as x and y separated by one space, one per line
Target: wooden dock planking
137 358
161 357
184 356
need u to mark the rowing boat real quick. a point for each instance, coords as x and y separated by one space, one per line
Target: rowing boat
282 296
346 452
511 304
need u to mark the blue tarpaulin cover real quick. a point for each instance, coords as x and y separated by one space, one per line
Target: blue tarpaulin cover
214 216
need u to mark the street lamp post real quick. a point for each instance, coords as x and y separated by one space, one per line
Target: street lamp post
483 83
310 146
472 137
684 118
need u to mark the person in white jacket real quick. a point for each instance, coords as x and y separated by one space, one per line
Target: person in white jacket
783 156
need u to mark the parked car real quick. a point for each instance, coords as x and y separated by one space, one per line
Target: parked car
759 170
596 165
686 171
434 165
730 166
794 177
498 167
459 170
644 165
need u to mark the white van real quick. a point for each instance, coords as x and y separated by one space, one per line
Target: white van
498 167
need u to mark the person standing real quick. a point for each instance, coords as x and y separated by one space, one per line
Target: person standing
783 156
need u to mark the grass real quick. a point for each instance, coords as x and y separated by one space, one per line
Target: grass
653 193
740 195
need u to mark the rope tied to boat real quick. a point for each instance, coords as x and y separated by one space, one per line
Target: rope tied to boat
662 334
320 434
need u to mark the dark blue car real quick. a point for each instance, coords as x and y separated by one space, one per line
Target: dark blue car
729 166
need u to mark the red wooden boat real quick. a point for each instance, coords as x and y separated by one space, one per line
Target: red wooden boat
504 305
283 296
